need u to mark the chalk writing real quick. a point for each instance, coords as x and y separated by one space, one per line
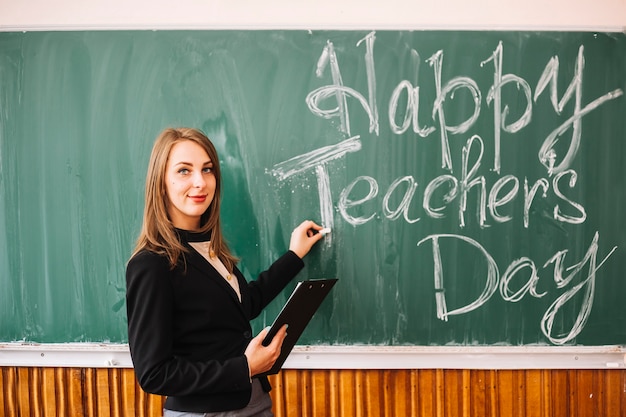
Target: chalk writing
547 153
494 281
318 159
414 199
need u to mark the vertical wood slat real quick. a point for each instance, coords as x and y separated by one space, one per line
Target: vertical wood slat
477 390
74 390
52 380
427 394
320 395
615 390
9 398
23 389
87 392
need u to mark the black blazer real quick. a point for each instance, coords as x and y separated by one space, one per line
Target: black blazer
187 330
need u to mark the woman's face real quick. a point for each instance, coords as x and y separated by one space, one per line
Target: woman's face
190 184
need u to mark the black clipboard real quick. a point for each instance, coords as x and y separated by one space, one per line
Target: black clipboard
296 313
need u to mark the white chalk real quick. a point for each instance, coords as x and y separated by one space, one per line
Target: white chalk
325 231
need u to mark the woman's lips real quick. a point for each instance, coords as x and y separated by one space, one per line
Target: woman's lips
198 198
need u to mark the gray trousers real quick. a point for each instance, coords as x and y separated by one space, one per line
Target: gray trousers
260 405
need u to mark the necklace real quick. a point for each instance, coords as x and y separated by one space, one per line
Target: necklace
215 261
204 249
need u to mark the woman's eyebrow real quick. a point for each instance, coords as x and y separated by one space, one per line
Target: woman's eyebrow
182 163
209 162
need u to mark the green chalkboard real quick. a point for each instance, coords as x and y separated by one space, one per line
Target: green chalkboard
474 181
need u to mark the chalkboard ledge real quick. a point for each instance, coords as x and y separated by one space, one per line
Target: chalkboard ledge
102 355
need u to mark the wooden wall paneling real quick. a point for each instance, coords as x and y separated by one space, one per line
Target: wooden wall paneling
276 393
71 382
573 394
600 392
506 393
413 400
80 392
4 392
137 403
453 393
101 392
427 394
155 406
479 394
466 378
533 394
301 381
615 392
128 393
334 401
399 391
44 386
115 390
519 392
301 385
89 402
291 393
415 392
23 390
9 377
357 391
368 393
495 393
320 393
35 387
590 390
559 398
295 393
346 383
546 379
600 395
142 404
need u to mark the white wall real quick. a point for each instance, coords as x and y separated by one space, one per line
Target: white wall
602 15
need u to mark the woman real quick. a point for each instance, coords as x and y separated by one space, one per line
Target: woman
189 307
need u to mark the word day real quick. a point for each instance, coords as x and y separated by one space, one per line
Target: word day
577 280
563 275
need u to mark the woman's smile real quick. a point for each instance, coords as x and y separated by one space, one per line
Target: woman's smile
198 198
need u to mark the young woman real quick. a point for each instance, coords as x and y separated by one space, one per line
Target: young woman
189 307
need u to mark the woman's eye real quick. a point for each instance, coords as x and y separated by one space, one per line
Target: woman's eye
207 170
183 171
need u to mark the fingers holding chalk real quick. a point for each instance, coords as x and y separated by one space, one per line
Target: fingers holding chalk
305 236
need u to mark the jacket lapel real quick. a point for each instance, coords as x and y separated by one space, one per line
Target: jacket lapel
204 267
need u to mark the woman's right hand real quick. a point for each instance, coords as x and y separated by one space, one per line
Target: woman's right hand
304 236
262 358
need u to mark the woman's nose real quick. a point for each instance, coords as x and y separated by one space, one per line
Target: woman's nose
198 180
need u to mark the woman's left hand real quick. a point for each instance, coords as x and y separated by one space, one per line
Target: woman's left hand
304 237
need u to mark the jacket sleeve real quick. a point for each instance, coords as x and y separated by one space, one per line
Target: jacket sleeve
272 281
150 303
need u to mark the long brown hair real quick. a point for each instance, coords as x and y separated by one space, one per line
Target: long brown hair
158 234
